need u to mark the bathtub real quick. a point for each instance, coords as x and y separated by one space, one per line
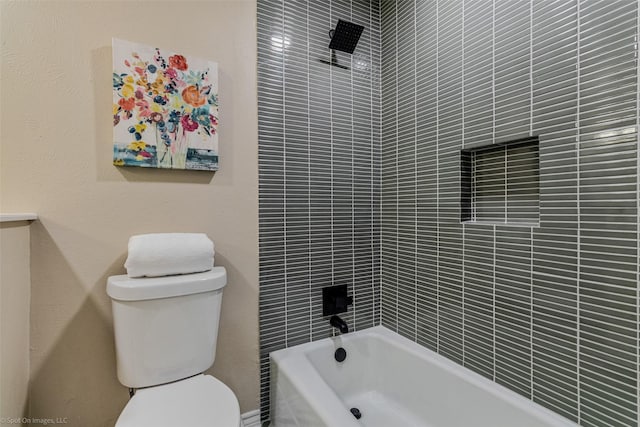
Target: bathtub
393 382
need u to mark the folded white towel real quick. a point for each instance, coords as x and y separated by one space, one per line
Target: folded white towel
163 254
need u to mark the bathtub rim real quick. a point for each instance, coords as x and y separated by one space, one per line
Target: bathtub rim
296 358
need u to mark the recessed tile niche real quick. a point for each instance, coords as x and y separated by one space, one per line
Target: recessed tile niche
500 184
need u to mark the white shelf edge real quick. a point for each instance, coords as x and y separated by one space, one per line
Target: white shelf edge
18 217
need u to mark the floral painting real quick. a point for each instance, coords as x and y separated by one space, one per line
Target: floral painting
165 109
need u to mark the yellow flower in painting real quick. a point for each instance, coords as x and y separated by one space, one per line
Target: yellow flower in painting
175 101
116 107
158 85
118 162
142 81
127 91
137 146
156 108
128 80
140 127
139 158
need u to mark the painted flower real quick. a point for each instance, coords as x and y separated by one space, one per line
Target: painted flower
117 81
158 85
137 146
156 117
160 100
193 78
201 115
143 108
142 81
178 61
127 104
191 96
171 73
188 124
127 91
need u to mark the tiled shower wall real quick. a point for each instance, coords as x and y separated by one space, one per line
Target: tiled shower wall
549 311
319 160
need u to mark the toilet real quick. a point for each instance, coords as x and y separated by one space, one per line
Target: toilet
166 329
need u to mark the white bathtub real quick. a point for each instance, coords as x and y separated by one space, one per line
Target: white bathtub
394 382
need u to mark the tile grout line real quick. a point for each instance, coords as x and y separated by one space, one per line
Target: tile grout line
380 211
380 171
437 177
493 301
493 71
331 157
310 270
493 130
579 220
530 67
371 188
284 180
531 247
353 197
637 214
415 158
397 308
460 181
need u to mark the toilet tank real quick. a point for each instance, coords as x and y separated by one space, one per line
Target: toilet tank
165 328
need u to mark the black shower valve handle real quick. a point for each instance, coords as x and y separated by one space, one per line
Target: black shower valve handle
343 302
335 300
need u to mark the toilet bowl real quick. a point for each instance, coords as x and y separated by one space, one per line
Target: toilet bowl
200 401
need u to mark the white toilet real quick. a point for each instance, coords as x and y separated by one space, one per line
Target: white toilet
166 330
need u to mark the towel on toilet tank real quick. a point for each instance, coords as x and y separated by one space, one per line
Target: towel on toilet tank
164 254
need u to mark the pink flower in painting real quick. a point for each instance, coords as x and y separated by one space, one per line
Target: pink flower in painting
171 73
188 124
143 108
178 61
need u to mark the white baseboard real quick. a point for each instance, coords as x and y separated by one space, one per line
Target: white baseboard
251 418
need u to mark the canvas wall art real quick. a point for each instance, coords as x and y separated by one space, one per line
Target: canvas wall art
165 108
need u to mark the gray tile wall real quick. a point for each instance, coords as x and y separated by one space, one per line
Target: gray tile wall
550 311
319 161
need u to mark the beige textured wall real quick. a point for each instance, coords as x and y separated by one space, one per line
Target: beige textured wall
14 320
56 160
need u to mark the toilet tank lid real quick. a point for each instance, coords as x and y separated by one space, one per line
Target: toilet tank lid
125 288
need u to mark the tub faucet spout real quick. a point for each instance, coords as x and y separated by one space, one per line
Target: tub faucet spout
337 322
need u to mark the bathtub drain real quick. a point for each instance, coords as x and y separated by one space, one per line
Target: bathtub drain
356 413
